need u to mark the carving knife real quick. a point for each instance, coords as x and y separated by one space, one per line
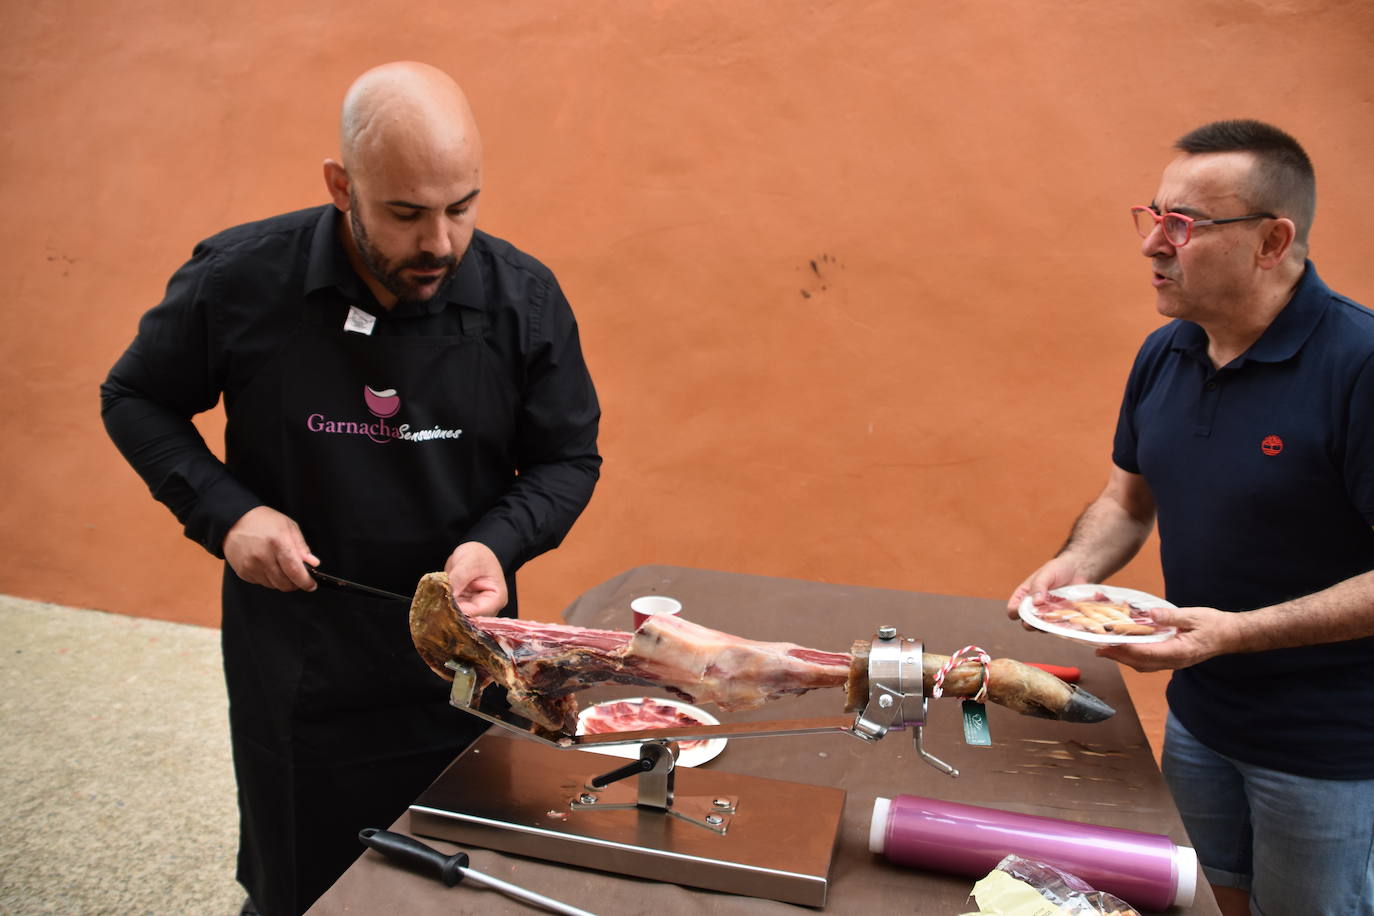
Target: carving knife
335 581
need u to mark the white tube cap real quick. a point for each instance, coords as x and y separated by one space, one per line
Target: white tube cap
1185 860
877 829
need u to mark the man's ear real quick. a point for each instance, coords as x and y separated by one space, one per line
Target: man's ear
1276 243
338 183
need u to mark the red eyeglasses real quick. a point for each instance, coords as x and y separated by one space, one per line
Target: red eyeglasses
1178 229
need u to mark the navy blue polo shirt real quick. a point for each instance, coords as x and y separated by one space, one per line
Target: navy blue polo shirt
1263 474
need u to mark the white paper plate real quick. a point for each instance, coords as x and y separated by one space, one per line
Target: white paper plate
1142 600
690 757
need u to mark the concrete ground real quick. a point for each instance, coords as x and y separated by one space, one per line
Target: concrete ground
115 778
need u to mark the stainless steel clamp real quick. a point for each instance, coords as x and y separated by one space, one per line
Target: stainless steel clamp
896 693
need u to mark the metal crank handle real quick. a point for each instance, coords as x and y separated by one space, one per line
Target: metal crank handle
642 765
918 740
452 869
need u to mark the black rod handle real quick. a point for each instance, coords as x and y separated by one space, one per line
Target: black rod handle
416 855
642 765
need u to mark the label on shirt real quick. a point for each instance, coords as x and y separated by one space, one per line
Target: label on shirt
358 321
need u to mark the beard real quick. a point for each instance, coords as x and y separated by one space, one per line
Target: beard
389 273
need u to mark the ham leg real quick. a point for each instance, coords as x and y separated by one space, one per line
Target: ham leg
541 665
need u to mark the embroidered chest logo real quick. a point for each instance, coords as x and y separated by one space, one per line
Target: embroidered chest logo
383 405
1271 445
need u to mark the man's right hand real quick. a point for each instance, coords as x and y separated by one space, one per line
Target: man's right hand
1060 571
266 548
1103 539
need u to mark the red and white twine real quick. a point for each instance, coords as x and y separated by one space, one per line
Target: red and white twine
983 658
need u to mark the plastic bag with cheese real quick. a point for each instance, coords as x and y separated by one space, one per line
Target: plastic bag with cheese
1023 887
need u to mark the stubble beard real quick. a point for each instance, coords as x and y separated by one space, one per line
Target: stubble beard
389 275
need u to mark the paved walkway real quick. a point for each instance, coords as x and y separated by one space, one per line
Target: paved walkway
115 775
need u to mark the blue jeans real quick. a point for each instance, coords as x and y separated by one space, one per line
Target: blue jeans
1300 845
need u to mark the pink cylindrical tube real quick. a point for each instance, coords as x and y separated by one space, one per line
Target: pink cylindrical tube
1145 869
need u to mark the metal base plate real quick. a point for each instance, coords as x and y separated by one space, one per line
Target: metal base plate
517 796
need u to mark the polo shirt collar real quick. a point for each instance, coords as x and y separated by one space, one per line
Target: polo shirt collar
1286 333
328 267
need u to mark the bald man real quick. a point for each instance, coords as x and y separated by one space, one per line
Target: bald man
403 393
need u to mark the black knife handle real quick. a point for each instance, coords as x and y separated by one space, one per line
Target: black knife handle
414 854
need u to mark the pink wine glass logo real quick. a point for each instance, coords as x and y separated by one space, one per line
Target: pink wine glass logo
383 404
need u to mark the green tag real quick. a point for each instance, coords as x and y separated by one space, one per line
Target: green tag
976 724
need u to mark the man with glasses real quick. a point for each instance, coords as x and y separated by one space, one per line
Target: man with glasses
1247 428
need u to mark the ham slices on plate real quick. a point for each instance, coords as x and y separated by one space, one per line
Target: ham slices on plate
1104 615
643 713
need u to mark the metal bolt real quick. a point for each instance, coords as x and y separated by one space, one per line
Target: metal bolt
715 820
587 798
885 701
887 632
722 803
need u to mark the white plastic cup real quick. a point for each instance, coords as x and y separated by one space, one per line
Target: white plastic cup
652 605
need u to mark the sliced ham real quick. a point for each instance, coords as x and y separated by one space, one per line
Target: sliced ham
638 715
1097 614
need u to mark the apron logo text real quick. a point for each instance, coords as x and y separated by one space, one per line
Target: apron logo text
379 431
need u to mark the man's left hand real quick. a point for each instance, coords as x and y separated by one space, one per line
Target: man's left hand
1203 632
477 580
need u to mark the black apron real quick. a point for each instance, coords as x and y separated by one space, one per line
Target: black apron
335 721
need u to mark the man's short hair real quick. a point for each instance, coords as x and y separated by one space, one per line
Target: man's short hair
1284 183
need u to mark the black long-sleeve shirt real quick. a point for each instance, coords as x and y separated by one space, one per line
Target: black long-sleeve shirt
228 310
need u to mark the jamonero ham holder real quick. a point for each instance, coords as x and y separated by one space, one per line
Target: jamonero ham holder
712 829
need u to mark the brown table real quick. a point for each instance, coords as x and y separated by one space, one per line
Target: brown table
1102 773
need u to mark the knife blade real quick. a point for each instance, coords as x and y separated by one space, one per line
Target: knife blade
327 579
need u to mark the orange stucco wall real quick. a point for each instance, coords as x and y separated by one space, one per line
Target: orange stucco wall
856 280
